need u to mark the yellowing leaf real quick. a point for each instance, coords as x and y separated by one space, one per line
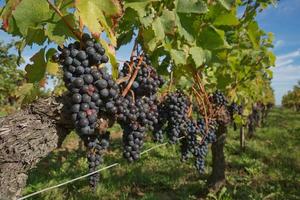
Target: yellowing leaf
52 68
89 12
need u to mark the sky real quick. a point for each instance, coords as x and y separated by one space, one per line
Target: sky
282 20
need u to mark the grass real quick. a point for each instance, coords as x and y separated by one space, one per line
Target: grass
268 169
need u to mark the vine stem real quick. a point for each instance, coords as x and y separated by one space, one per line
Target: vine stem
201 86
78 35
133 76
198 96
171 81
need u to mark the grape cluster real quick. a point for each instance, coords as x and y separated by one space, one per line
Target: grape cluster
147 81
91 91
133 141
175 109
234 108
96 145
196 142
218 99
139 113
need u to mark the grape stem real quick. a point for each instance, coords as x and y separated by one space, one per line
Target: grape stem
78 35
171 81
198 96
133 76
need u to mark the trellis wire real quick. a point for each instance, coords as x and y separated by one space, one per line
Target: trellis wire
86 175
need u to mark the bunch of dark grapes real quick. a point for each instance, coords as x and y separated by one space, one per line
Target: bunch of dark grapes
234 108
219 99
96 145
133 141
147 81
196 142
139 113
175 110
91 90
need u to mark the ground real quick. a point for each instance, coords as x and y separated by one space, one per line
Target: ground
268 169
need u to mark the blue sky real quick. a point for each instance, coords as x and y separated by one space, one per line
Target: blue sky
283 20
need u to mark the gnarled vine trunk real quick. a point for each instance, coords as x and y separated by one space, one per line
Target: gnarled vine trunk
26 137
217 178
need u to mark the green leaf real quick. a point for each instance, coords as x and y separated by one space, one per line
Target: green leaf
30 13
35 35
112 58
57 30
50 53
212 38
178 56
158 29
254 33
191 6
226 19
149 39
227 3
185 27
168 21
198 55
141 8
36 71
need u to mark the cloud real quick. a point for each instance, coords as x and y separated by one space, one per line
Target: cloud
290 55
286 73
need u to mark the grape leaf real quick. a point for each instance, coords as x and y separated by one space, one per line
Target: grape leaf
228 19
191 6
35 35
158 29
178 56
227 3
92 15
52 68
185 27
140 7
212 38
36 71
57 30
198 55
149 39
89 12
254 33
30 13
112 57
168 21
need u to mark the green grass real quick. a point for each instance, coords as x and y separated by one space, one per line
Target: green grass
268 169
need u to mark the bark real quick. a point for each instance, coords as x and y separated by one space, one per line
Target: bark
26 137
242 138
217 178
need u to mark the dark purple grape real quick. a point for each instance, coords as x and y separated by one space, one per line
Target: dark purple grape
76 98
